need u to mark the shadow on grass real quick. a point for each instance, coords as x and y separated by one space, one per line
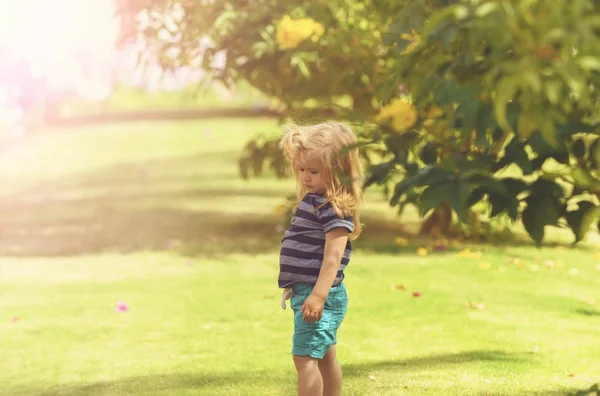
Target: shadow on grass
588 312
170 384
437 361
146 206
239 381
593 390
162 205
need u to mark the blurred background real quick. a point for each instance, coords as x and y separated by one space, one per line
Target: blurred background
144 196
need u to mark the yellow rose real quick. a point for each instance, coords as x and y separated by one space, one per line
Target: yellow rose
402 113
292 32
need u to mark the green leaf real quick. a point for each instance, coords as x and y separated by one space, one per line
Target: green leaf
515 154
379 173
591 216
428 175
458 199
533 222
488 184
435 195
429 154
541 210
584 178
514 186
456 192
589 62
579 149
504 204
505 90
575 219
486 8
400 189
475 196
547 188
553 89
549 132
399 145
507 201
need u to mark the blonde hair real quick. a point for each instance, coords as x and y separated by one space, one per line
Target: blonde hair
333 144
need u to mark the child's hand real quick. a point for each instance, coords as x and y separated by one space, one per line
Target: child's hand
312 309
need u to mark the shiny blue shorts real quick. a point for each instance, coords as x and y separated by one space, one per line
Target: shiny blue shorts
315 339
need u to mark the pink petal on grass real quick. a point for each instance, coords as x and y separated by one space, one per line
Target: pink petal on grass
121 307
15 319
416 294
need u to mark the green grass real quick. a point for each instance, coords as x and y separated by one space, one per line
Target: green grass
124 99
155 215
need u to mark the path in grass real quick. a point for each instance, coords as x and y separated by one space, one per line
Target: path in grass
154 215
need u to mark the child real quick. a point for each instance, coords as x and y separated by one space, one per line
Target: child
316 248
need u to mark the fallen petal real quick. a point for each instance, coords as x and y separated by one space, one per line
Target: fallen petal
416 294
15 320
121 307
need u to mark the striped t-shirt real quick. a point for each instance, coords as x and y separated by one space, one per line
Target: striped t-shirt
302 247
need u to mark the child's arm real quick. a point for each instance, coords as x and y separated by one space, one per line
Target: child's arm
335 244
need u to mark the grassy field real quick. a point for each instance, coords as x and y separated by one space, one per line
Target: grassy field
154 215
127 99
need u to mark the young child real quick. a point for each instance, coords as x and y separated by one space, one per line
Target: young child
316 248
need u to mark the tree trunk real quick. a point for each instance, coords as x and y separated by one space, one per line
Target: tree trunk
438 223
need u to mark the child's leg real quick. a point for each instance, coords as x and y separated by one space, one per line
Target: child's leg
331 372
310 382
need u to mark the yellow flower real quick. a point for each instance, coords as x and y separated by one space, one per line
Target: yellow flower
402 113
422 252
435 112
414 39
292 32
466 253
401 241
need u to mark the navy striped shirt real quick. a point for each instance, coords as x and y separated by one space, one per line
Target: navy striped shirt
303 246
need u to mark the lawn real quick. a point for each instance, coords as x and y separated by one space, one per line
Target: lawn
154 215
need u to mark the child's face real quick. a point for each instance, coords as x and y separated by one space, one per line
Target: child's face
310 173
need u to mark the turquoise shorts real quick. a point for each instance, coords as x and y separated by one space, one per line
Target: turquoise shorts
315 339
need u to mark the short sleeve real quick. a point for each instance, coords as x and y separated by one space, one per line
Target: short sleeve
330 220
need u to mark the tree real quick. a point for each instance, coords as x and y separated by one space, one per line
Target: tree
487 102
497 85
316 58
